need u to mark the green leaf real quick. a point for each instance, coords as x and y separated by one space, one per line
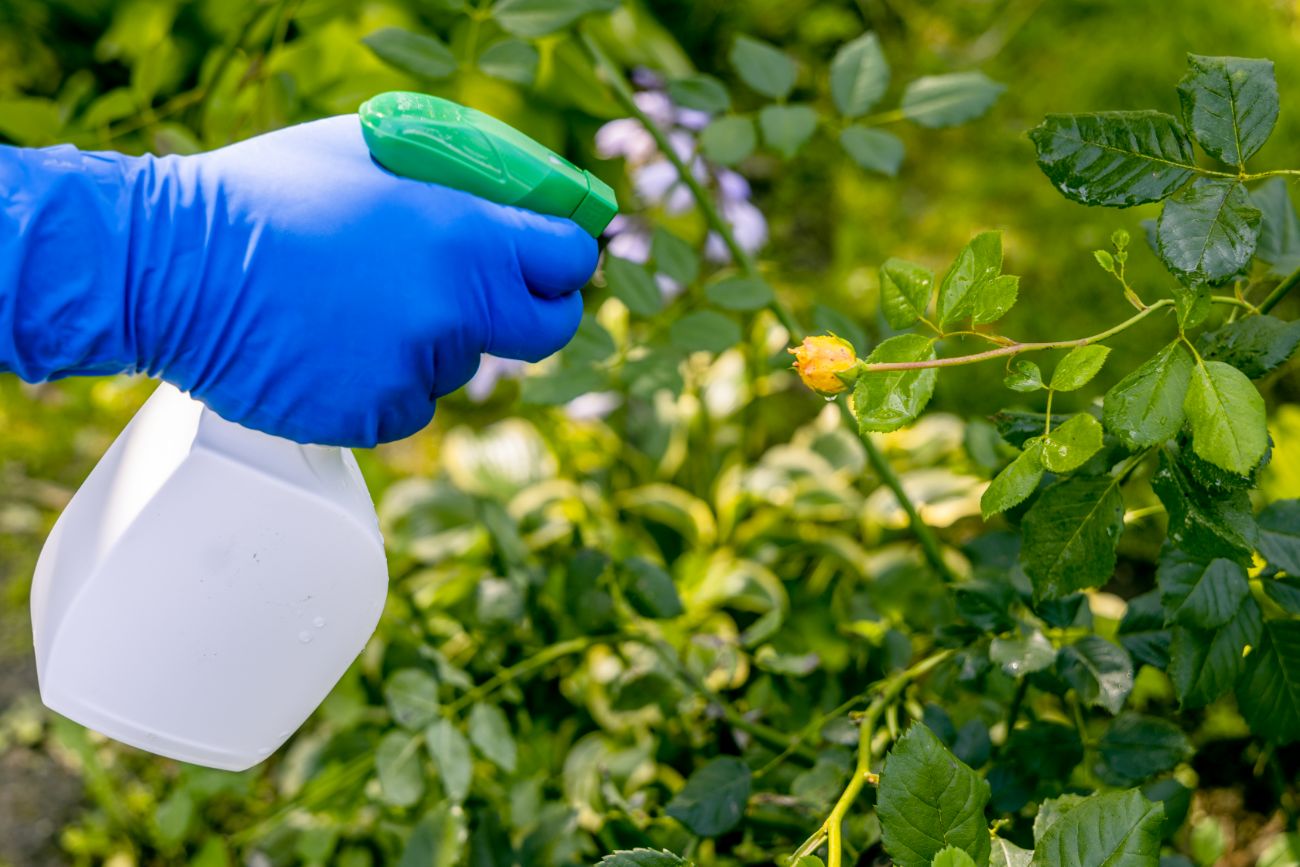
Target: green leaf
1269 693
1136 748
1023 375
1114 158
532 18
1116 829
786 127
489 731
740 293
1050 812
946 100
397 763
1226 416
1254 345
991 299
437 840
1100 672
1285 592
704 331
1143 632
1208 230
1016 482
1279 233
952 857
510 60
412 696
643 858
1203 523
1069 446
632 284
561 387
592 344
728 140
173 816
1008 854
650 590
31 121
1200 594
1279 535
1079 366
1070 534
873 149
451 757
412 53
1205 663
885 401
674 257
1146 407
859 75
1021 656
700 92
905 291
978 263
1231 105
763 67
713 800
929 800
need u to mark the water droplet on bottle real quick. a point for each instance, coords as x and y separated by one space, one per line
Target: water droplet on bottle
319 622
304 637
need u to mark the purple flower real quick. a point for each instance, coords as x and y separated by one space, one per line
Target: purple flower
625 138
657 184
592 406
491 370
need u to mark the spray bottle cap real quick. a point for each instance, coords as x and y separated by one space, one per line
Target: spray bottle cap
432 139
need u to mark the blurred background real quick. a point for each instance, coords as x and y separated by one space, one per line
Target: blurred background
165 76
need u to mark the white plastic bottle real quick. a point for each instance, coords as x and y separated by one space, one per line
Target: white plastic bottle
206 587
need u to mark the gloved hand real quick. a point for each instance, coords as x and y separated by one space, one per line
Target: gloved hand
288 281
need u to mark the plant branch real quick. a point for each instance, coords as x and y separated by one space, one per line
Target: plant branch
1017 348
542 658
880 464
623 93
830 830
1279 292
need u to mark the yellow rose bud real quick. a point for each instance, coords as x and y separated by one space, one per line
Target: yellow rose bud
820 361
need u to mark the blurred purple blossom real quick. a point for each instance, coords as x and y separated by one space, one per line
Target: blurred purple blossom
656 182
491 370
592 406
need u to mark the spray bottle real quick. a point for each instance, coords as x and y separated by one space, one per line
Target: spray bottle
209 584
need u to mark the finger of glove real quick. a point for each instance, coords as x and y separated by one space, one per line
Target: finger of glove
555 256
534 327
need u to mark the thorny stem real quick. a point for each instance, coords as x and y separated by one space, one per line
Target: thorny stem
830 830
623 93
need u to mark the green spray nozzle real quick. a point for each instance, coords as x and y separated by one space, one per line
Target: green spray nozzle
432 139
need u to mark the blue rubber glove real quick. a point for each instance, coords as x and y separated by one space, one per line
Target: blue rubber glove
288 281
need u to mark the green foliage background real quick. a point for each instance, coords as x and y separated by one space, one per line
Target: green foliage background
587 614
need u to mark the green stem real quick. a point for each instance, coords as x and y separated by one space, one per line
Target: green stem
773 737
924 534
830 830
1013 711
623 93
1279 291
1017 348
542 658
1271 174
